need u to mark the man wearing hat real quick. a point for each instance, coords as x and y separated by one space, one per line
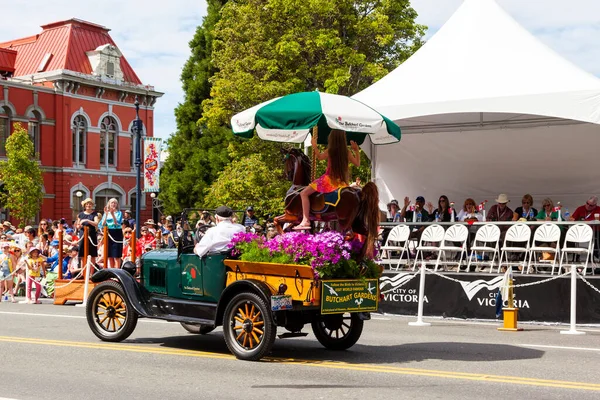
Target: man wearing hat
127 217
500 211
217 238
250 219
151 226
419 208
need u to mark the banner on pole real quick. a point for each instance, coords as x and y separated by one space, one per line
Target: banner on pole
151 164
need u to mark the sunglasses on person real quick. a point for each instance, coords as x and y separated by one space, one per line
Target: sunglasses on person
43 224
442 200
590 205
525 202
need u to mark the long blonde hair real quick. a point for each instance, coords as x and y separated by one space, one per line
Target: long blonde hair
337 150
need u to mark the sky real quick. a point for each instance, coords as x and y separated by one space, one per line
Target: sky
154 35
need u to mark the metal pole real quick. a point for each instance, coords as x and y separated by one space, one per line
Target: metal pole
138 165
60 254
419 321
573 329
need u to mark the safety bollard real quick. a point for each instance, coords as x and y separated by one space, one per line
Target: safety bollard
419 321
572 329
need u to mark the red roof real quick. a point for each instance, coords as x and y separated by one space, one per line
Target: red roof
67 42
7 60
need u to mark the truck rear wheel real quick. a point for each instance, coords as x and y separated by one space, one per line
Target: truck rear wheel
337 331
248 327
109 316
198 328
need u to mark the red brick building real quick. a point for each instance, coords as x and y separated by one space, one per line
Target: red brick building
74 90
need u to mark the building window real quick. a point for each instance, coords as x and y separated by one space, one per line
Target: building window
33 127
79 130
102 197
4 130
108 140
110 69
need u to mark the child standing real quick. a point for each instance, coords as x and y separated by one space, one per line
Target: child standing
35 264
6 271
336 174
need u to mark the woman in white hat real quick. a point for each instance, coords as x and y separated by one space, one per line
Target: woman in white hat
88 217
500 211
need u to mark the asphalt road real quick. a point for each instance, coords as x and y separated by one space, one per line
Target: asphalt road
49 352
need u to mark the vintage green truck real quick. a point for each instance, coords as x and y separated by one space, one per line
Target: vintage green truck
250 300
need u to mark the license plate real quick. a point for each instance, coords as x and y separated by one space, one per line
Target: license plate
281 302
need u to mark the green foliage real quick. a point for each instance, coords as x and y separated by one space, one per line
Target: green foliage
268 48
250 180
366 269
22 177
197 154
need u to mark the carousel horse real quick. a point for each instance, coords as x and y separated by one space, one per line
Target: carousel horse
354 209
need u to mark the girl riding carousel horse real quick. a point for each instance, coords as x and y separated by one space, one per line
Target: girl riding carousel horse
336 174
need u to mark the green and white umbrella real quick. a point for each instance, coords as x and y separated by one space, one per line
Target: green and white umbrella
290 119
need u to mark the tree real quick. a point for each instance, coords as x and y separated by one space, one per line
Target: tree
22 177
249 180
196 154
268 48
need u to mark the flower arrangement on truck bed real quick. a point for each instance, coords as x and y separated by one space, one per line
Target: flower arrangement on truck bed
328 253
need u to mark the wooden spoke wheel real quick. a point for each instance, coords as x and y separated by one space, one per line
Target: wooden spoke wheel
198 328
337 331
248 327
109 316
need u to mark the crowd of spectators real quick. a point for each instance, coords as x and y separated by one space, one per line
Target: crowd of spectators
29 256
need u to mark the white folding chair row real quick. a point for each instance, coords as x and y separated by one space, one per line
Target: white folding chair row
435 240
396 242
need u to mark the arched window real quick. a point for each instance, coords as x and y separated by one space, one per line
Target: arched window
33 127
102 197
4 129
108 140
79 130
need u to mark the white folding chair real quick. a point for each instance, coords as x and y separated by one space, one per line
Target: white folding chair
454 234
433 236
547 235
582 236
519 233
396 242
488 237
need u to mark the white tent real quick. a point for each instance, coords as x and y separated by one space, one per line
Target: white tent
485 108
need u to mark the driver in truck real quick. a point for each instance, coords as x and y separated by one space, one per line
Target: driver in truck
217 238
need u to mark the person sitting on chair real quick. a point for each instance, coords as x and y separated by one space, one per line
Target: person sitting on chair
217 238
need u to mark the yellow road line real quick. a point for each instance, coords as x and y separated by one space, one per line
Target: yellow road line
516 380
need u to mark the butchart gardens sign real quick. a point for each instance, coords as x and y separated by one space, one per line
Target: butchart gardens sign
349 296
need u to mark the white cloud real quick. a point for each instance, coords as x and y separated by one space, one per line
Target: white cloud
154 35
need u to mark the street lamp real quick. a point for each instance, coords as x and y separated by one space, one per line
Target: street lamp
138 164
156 204
79 195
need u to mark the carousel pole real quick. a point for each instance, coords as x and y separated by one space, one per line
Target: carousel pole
313 167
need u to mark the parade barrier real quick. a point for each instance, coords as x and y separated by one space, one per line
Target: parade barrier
473 295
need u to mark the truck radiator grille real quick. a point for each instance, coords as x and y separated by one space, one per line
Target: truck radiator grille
157 277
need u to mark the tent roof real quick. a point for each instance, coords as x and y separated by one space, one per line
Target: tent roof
483 61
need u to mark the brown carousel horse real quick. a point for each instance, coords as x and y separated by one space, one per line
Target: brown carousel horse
356 210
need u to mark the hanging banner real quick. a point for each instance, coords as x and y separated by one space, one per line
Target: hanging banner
151 164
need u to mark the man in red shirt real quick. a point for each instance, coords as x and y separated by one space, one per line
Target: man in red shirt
586 212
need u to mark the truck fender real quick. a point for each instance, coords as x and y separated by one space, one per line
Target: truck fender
246 285
133 291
